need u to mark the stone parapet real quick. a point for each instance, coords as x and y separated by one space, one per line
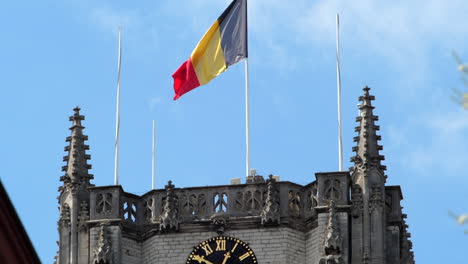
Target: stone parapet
204 208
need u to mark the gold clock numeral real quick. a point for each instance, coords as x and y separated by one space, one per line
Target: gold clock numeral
220 245
208 249
234 248
246 255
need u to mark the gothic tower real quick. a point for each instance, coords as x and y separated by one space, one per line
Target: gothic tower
74 197
368 188
345 217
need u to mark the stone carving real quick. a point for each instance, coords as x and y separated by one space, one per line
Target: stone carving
76 170
220 202
294 202
189 204
220 222
104 203
194 204
64 216
312 201
270 213
129 211
103 253
356 201
169 219
332 242
239 201
332 189
148 212
201 204
367 150
253 201
83 215
376 198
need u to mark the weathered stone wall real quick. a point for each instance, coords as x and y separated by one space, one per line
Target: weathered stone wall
131 251
312 246
279 245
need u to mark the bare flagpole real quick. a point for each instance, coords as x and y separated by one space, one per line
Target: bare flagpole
340 142
153 159
117 114
247 113
247 120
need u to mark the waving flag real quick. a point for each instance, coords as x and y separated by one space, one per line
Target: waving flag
224 44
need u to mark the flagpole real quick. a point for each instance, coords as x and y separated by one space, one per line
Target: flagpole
117 114
153 158
340 142
247 120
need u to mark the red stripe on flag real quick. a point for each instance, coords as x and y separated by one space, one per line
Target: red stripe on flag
185 79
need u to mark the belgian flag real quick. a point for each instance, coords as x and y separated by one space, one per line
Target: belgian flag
224 44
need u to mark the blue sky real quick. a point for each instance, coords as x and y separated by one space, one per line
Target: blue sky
55 55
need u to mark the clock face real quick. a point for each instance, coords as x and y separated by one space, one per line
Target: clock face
222 250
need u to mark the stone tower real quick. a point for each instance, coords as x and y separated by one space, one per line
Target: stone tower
347 217
368 188
74 196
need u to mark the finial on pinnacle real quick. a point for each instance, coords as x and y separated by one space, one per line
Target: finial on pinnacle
366 98
77 110
76 118
169 185
271 178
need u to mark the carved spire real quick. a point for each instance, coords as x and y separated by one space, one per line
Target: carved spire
332 243
367 149
76 170
103 253
270 213
169 219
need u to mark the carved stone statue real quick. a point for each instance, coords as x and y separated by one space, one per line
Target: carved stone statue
270 213
169 219
103 254
332 242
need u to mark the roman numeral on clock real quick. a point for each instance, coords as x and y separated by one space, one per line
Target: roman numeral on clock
246 255
234 248
207 248
220 245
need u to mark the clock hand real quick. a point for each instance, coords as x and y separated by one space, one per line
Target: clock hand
226 257
201 259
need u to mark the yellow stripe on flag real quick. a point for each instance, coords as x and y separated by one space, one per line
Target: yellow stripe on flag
208 56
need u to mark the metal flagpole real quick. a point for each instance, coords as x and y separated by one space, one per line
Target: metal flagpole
340 143
247 116
153 159
117 117
247 120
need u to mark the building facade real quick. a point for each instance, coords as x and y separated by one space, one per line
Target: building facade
346 217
